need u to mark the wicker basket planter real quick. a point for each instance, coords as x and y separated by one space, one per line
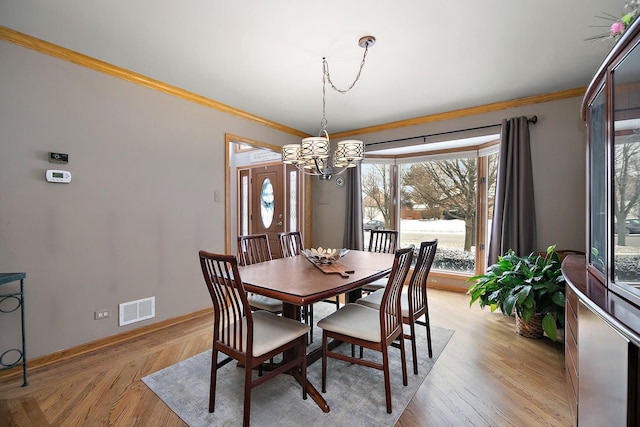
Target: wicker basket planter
532 328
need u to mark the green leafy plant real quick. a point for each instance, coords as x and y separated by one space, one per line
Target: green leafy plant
528 285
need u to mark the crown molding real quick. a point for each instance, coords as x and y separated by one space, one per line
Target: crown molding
65 54
471 111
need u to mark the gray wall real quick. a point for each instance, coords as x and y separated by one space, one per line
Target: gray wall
145 167
141 204
558 149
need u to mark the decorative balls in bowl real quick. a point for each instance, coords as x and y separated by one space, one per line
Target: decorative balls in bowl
324 255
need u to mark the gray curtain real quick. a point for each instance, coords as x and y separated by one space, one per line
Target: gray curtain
514 217
353 231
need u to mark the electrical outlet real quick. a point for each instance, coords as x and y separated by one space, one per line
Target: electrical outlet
101 314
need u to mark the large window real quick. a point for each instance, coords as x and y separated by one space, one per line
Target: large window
446 197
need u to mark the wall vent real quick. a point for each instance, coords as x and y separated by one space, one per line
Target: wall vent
135 311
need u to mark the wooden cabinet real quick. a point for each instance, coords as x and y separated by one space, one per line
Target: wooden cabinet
602 328
611 108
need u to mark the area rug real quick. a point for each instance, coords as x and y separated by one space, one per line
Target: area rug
355 394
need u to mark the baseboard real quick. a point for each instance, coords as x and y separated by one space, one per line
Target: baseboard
59 356
449 288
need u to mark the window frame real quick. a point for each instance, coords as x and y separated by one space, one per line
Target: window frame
481 152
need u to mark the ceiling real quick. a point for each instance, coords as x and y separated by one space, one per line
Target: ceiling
265 57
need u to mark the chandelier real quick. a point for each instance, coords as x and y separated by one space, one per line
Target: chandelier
312 155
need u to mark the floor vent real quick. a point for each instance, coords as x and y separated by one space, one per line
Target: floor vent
135 311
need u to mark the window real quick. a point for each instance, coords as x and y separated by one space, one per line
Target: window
448 196
377 197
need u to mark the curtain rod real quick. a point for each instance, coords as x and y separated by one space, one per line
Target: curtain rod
532 119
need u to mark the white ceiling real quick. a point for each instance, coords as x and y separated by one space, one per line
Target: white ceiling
265 57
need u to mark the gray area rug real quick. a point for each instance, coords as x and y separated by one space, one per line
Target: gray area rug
355 394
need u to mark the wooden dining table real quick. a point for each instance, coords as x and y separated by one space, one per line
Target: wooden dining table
297 281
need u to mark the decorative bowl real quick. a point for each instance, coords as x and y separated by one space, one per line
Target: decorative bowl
324 255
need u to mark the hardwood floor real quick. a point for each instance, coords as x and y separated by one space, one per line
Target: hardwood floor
487 376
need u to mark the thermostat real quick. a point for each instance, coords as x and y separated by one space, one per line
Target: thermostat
59 176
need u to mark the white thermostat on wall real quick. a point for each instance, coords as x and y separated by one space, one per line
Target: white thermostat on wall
59 176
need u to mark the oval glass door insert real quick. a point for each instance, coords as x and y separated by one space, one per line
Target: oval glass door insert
266 203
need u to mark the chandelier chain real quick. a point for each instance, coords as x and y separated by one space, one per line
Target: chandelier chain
326 73
326 77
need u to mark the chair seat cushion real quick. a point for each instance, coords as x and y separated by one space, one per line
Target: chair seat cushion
373 300
355 320
265 303
376 284
271 331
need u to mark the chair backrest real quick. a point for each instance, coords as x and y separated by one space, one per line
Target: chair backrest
290 243
230 304
253 248
383 241
390 305
417 290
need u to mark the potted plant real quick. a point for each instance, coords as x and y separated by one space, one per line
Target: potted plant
532 286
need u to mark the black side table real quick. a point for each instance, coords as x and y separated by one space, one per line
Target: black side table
17 303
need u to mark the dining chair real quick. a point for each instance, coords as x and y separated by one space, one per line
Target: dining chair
252 249
414 303
291 245
383 241
249 337
360 325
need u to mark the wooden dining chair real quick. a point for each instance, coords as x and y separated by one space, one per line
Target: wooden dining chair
291 245
414 303
360 325
249 337
252 249
383 241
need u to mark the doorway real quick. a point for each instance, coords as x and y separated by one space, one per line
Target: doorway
262 195
266 204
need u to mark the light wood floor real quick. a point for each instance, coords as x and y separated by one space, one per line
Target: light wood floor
487 376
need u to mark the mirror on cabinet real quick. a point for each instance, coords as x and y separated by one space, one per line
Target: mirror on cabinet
625 170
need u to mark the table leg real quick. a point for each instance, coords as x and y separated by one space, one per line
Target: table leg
354 295
293 312
313 392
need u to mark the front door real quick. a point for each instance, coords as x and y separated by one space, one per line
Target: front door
268 204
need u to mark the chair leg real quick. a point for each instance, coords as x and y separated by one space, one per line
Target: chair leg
247 395
414 351
428 326
310 314
403 358
324 362
353 351
387 381
302 353
212 381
